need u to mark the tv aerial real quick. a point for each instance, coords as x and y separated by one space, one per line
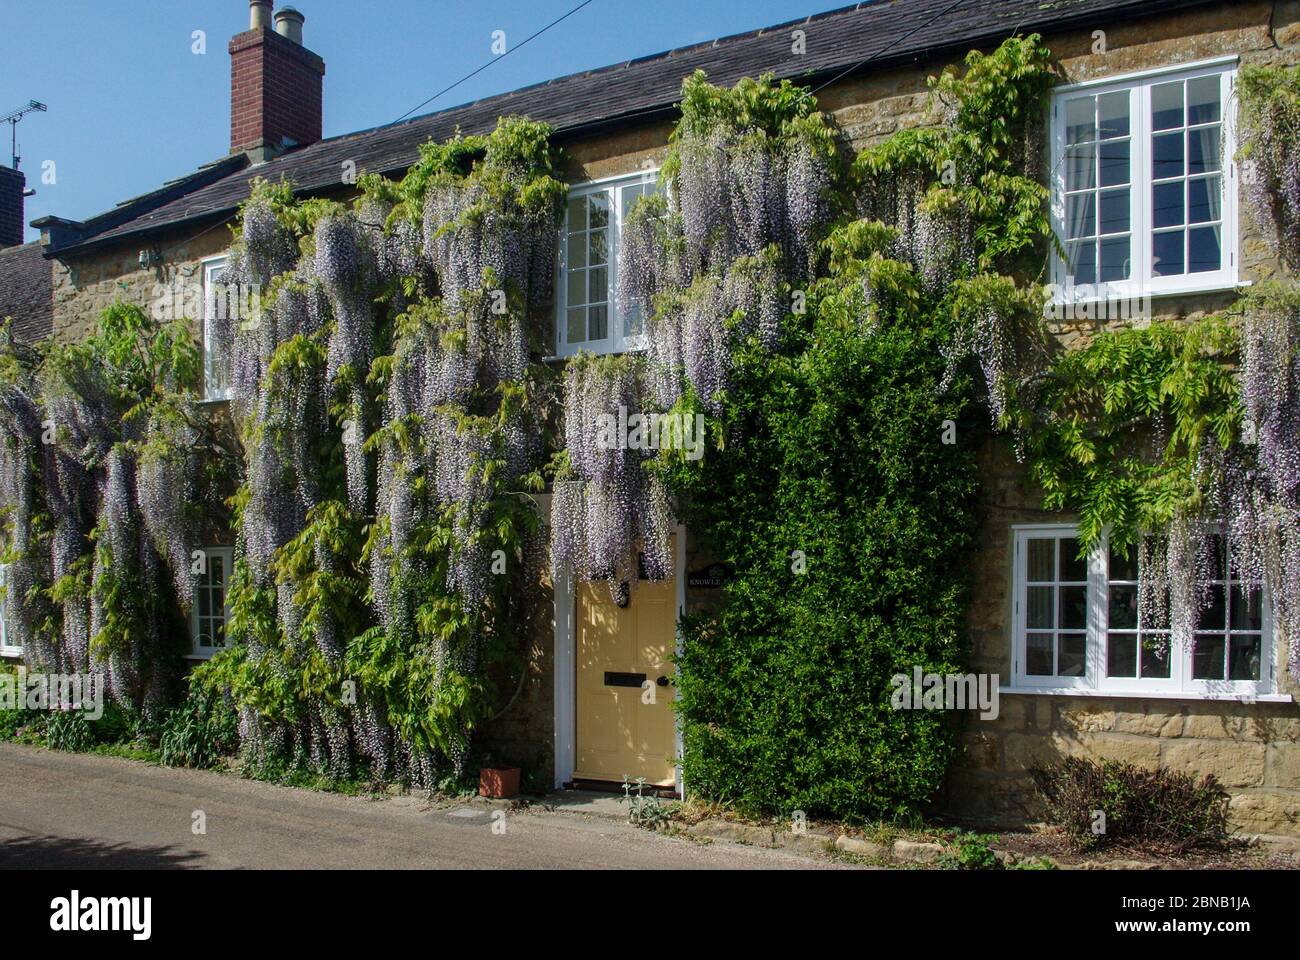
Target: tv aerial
12 118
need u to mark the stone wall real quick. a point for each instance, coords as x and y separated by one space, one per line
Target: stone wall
86 284
1254 749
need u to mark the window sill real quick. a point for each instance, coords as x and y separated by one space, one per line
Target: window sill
1190 290
564 357
11 651
1145 695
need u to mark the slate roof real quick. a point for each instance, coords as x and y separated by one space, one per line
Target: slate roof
27 291
890 31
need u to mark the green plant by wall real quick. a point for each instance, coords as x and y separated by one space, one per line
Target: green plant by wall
847 518
199 732
1111 804
970 851
847 521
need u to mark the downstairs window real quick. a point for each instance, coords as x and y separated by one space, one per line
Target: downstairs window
211 607
1078 625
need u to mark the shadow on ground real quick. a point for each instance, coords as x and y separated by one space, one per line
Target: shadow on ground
62 853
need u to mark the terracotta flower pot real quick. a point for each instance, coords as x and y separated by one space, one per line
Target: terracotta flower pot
498 782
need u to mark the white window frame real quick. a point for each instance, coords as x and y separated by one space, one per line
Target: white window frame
1141 282
1019 651
210 266
227 555
1179 685
616 341
7 648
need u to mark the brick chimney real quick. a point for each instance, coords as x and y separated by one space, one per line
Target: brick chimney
275 85
12 185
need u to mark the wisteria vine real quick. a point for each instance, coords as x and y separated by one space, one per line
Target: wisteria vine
103 446
386 394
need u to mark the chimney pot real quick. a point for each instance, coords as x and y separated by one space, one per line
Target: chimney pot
259 14
288 24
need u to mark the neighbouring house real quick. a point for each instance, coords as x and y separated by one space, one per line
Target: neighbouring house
1145 87
25 274
26 296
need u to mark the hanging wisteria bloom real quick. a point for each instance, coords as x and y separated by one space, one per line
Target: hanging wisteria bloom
1260 500
713 261
100 445
612 520
1270 130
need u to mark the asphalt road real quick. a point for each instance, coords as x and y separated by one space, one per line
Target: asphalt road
60 810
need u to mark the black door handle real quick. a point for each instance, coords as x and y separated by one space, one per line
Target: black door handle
662 681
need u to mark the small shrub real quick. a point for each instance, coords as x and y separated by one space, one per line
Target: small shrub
200 731
12 721
971 851
644 811
69 730
1160 810
75 732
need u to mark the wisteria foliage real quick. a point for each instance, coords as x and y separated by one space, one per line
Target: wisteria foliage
386 387
611 518
103 445
1269 131
299 369
709 262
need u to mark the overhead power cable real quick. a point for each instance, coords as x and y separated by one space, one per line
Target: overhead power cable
480 69
889 46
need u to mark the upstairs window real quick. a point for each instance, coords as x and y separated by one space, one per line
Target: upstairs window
216 354
1144 183
589 315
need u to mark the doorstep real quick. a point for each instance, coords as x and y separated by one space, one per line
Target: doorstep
597 803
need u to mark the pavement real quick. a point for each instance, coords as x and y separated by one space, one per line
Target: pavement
63 810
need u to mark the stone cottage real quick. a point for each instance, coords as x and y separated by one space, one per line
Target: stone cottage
1145 91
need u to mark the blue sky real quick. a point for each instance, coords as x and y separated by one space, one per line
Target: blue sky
131 106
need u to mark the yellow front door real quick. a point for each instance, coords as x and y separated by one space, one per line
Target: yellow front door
624 711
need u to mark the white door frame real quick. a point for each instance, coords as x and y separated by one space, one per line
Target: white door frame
565 710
